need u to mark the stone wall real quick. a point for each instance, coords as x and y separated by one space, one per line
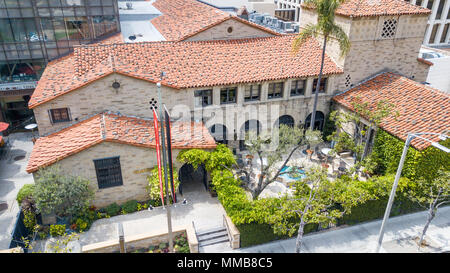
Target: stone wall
133 160
134 242
370 53
238 29
134 95
132 98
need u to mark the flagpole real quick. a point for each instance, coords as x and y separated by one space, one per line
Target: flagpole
169 217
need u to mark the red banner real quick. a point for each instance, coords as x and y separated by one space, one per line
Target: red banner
158 154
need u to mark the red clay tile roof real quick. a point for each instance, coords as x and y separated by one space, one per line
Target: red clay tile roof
187 64
425 61
420 107
182 19
362 8
113 128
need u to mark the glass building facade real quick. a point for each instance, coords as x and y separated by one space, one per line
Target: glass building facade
33 32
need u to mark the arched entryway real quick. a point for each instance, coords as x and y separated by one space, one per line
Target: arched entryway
318 123
286 120
219 133
249 125
192 179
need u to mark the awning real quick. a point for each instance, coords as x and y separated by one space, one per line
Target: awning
3 126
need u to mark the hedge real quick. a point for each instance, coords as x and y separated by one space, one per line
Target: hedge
387 151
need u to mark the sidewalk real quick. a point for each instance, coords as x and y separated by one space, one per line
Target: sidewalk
363 238
12 177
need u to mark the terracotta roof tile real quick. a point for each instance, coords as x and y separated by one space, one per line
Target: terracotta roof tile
182 19
187 64
113 128
362 8
420 107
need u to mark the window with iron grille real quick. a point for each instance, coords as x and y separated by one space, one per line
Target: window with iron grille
108 172
275 90
252 92
389 28
203 97
228 95
322 87
60 115
298 88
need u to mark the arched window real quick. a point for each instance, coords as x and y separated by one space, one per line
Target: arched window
318 123
285 119
219 132
249 125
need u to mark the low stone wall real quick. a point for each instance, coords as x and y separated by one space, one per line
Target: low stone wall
233 233
134 242
12 250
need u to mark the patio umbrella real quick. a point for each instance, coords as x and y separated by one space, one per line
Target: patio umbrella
3 126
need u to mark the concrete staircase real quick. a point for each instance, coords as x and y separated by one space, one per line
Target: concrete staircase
213 240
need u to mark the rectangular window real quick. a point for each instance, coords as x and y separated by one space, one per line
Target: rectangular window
203 97
275 90
108 172
60 115
298 88
430 4
228 95
418 2
433 33
323 85
252 92
439 10
444 33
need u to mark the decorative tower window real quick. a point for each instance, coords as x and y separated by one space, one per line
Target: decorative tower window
348 81
389 28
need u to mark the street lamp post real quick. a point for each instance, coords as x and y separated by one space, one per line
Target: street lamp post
410 137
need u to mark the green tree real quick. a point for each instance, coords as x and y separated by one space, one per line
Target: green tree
316 200
353 127
431 195
61 194
272 147
326 27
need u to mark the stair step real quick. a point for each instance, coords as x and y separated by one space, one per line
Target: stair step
210 236
219 240
209 231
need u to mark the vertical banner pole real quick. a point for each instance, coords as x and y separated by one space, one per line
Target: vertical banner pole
169 152
158 154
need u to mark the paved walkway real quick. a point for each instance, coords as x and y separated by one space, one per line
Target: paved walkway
12 177
204 210
362 238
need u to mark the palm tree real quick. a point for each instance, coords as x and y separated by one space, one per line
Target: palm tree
328 28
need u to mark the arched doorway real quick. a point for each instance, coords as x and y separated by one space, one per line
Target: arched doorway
249 125
285 119
318 123
191 179
219 133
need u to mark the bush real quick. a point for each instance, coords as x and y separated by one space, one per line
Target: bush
81 225
153 187
57 230
29 220
61 194
25 192
130 206
113 209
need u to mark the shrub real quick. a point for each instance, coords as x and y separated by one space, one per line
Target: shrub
81 225
25 192
29 219
57 230
61 194
130 206
153 187
113 209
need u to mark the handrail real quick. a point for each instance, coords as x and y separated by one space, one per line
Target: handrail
230 238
